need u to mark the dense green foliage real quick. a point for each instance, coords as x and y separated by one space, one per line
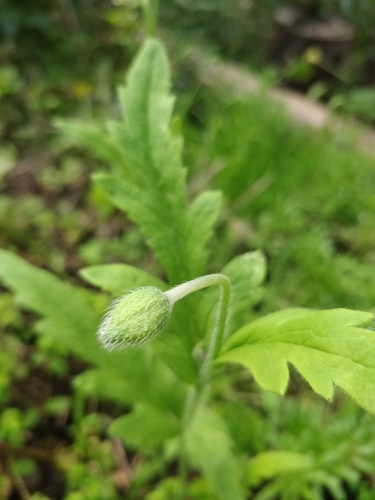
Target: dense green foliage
55 58
306 196
145 178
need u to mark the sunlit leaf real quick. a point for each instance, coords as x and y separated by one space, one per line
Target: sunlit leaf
326 347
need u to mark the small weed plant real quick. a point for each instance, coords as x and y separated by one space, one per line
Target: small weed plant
167 348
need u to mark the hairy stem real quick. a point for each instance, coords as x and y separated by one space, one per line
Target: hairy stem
216 339
214 347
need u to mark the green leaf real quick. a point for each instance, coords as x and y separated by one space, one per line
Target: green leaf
272 463
246 273
172 349
145 427
161 225
95 138
70 320
202 216
147 178
152 381
100 383
167 489
116 278
147 106
155 198
209 447
326 347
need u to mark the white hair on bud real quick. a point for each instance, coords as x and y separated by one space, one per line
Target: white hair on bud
135 318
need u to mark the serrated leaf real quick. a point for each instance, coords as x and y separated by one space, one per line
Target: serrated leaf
156 200
146 208
210 448
155 154
326 347
116 278
144 427
147 178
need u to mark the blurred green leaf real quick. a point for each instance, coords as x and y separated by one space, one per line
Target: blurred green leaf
145 427
209 447
271 463
116 278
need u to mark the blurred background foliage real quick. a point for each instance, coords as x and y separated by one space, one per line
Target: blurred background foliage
324 47
304 197
59 55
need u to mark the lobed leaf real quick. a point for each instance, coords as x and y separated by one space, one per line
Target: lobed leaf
147 178
148 181
326 347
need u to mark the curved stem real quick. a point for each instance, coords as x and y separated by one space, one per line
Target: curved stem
216 339
217 335
180 291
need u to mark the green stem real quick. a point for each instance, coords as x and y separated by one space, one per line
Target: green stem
216 340
190 405
214 347
150 13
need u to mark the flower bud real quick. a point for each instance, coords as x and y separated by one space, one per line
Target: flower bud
135 318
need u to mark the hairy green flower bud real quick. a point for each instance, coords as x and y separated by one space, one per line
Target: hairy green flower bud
135 318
